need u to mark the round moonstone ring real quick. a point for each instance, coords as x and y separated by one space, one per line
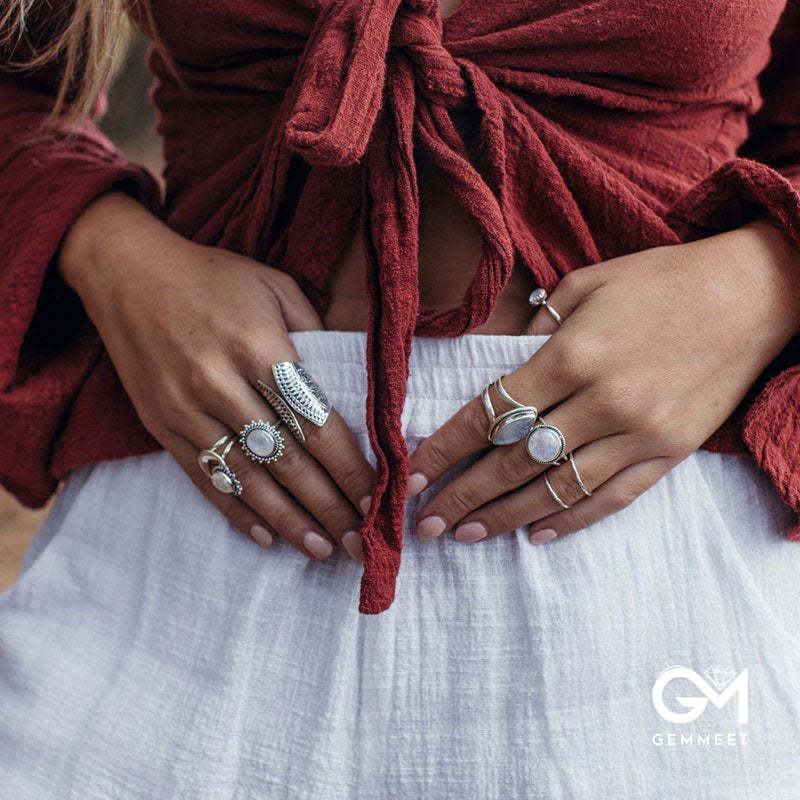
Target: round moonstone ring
261 441
546 444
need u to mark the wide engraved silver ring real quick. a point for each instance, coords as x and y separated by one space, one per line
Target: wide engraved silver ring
301 391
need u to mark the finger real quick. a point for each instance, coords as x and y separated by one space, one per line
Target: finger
260 491
614 495
568 294
296 469
503 469
599 461
335 447
466 432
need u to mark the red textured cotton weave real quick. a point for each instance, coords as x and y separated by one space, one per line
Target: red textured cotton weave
602 127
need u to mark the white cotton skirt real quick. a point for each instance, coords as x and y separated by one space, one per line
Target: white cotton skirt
149 651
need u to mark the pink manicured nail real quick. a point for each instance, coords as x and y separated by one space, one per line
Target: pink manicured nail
544 535
261 535
351 542
317 545
470 532
430 527
416 483
364 503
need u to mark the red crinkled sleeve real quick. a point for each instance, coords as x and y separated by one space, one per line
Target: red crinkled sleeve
48 345
764 180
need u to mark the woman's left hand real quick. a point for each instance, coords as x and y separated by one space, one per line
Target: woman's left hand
656 351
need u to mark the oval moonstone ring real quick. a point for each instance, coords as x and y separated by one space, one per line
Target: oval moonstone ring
546 444
261 441
513 425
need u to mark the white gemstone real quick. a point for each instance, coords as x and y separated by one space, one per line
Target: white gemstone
513 427
537 297
221 481
544 444
261 442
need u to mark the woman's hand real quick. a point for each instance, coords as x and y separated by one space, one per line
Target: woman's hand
655 352
190 329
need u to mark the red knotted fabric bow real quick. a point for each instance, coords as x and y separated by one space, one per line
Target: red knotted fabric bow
375 73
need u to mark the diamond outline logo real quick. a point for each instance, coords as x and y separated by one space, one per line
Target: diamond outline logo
719 675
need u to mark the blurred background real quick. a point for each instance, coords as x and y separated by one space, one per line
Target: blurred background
129 123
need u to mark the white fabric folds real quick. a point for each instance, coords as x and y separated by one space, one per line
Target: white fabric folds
151 652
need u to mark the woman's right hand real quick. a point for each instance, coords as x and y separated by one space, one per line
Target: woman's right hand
189 330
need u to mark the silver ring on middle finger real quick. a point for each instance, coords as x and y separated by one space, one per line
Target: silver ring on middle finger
545 443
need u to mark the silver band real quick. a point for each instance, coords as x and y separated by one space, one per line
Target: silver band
510 426
216 469
578 477
553 493
281 408
538 297
262 441
301 391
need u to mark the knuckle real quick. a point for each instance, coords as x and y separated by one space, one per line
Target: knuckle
617 402
622 496
434 451
474 418
291 463
457 500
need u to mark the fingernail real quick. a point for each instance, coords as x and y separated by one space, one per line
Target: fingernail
544 535
351 542
261 535
416 483
430 527
470 532
317 545
364 503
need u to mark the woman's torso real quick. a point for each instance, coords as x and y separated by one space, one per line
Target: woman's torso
628 110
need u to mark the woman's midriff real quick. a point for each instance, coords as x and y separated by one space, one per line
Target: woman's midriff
450 249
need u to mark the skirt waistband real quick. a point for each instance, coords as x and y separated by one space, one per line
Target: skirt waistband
444 373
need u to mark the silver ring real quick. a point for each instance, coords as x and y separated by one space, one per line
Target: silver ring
262 441
301 391
538 297
545 443
216 469
281 408
553 493
510 426
578 477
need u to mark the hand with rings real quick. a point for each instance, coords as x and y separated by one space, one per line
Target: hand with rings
198 336
648 355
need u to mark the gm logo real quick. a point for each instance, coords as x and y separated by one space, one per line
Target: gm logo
726 686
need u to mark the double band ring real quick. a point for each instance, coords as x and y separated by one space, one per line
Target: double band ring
216 469
554 494
538 297
510 426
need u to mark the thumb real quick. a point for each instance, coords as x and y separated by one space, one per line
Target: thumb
298 313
